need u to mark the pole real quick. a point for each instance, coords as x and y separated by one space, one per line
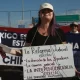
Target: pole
9 22
22 9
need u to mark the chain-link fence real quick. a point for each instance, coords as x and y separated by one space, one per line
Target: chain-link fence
16 18
24 18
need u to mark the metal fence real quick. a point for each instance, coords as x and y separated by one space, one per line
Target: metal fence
15 18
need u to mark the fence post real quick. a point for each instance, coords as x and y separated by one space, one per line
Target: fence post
9 22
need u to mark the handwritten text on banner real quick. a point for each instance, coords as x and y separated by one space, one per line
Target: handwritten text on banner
50 61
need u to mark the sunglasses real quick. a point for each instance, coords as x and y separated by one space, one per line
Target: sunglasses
44 10
74 25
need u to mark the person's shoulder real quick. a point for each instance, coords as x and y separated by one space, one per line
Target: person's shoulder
33 29
68 32
59 30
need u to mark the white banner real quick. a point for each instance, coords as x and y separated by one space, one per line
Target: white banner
50 61
11 60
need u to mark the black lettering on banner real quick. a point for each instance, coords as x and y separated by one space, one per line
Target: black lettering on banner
29 70
21 60
11 60
29 77
6 61
17 60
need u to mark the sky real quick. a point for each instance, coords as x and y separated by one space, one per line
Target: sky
31 6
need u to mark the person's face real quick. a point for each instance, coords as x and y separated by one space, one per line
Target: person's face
46 14
74 28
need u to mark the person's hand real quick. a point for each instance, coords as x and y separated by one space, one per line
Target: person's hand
15 51
3 54
77 72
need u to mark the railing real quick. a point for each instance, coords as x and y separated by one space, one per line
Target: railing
15 18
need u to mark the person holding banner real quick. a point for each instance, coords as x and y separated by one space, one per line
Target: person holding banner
5 49
9 72
46 31
73 37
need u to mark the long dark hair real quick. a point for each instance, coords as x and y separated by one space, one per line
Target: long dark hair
52 25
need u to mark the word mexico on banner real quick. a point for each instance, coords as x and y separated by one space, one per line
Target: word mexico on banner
13 39
51 61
